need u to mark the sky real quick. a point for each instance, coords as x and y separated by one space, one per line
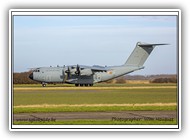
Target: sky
93 40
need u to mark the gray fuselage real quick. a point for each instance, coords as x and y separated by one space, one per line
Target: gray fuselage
58 74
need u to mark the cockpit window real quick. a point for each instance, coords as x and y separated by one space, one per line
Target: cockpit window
37 70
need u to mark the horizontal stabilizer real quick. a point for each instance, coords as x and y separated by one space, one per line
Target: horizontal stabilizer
150 45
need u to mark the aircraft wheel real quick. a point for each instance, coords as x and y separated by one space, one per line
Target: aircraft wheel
76 85
81 85
43 85
86 85
91 85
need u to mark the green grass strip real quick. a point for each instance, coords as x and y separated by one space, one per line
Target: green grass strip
90 109
99 122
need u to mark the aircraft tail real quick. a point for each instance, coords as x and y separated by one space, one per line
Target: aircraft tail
140 54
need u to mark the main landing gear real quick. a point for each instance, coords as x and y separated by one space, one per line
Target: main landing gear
81 85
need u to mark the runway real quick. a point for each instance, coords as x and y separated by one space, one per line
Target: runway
112 115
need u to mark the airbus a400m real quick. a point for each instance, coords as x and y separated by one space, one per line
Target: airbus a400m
81 75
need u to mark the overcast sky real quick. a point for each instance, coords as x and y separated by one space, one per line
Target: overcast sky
93 40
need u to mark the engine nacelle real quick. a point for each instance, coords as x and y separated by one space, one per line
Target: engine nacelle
87 72
72 71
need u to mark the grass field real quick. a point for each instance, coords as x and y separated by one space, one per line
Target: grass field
87 95
101 97
97 122
45 109
130 84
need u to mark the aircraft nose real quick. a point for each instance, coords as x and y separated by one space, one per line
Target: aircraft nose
31 76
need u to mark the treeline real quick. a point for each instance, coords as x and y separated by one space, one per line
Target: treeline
22 78
164 80
149 77
122 80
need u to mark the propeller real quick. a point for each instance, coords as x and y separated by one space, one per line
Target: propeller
64 76
77 72
68 72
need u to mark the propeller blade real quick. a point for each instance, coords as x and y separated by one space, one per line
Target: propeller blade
68 72
77 70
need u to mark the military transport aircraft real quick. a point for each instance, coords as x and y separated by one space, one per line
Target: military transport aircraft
81 75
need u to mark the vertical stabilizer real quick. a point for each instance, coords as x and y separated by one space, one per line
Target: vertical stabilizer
140 54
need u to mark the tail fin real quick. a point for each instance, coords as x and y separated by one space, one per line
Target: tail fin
140 54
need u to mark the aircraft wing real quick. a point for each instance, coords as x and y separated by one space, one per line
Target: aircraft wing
94 68
97 68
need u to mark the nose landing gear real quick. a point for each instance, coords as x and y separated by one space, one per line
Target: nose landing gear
43 84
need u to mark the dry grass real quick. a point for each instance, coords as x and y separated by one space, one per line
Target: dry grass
137 81
92 88
93 105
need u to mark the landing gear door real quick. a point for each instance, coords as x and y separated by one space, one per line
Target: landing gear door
48 78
